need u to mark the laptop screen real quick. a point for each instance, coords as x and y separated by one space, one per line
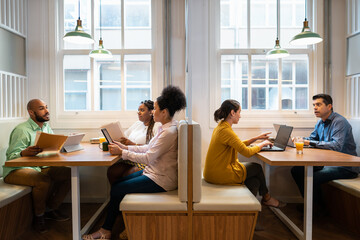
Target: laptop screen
283 136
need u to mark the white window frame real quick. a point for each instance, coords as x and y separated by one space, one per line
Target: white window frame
265 118
94 119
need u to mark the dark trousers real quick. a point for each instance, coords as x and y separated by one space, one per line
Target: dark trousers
134 183
255 179
321 175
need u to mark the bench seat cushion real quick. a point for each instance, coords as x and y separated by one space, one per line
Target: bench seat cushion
10 192
226 198
164 201
351 186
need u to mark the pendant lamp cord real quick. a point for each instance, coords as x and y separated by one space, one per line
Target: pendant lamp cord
100 21
277 19
79 9
306 10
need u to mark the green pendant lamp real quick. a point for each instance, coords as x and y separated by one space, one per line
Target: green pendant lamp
101 52
306 37
78 36
277 51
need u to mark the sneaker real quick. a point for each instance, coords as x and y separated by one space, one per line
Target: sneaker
39 224
57 216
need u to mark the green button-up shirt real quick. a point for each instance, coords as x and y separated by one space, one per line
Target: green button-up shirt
22 137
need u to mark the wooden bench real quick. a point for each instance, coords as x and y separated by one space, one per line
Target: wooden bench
198 210
342 196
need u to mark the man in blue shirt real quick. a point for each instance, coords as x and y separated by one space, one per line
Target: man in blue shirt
331 132
49 185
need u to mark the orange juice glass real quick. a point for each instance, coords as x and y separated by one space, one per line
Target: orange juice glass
299 143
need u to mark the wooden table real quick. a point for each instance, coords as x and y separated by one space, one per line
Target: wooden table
90 156
311 157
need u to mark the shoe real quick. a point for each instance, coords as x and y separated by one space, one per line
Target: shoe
123 235
98 235
56 215
280 205
39 224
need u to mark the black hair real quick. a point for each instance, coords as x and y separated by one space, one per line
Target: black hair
225 109
172 99
325 97
149 133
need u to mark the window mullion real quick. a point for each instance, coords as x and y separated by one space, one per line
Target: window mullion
249 81
280 83
92 62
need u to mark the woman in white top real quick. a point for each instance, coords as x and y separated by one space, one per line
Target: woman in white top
160 157
140 133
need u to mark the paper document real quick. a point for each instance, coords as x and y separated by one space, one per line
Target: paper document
115 130
49 142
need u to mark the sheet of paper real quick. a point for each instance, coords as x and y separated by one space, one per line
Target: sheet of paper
115 130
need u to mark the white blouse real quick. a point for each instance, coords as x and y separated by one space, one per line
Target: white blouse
137 132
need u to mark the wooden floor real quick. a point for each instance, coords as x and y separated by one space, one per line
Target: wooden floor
324 227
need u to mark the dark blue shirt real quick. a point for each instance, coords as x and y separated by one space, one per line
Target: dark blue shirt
335 133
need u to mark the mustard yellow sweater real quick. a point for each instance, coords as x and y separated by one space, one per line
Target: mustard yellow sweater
222 165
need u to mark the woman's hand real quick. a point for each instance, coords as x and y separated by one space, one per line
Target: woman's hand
126 141
265 143
263 136
115 149
120 145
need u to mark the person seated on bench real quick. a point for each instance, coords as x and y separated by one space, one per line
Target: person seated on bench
50 184
222 166
140 133
332 132
160 157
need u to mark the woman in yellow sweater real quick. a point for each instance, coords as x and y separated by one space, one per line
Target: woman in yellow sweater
222 165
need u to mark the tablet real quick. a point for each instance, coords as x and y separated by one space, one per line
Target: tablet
107 135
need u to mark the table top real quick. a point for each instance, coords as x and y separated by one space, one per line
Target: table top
310 157
91 155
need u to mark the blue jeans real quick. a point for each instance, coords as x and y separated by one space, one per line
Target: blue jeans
321 175
134 183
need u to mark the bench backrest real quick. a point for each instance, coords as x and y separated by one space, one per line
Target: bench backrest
197 174
355 124
182 160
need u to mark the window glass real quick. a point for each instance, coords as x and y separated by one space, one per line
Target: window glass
109 79
258 99
76 75
137 79
110 23
137 24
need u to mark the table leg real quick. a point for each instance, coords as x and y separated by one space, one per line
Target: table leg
75 198
308 198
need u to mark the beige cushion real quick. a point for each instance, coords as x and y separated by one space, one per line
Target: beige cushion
10 192
165 201
226 198
351 186
197 175
182 160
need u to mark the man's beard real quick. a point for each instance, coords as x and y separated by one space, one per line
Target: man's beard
40 118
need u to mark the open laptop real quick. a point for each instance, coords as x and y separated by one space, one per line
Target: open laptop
290 142
281 140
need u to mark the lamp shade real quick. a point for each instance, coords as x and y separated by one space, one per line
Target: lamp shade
78 36
277 51
306 37
101 52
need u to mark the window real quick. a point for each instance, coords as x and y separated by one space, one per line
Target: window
119 83
244 31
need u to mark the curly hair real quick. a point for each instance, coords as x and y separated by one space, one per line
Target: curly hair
172 99
225 109
149 133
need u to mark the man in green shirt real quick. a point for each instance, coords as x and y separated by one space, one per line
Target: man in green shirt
49 185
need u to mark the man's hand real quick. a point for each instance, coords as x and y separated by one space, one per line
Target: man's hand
115 149
306 142
30 151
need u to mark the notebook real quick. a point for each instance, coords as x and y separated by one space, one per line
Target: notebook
281 140
72 143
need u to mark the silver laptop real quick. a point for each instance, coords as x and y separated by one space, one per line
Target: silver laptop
281 140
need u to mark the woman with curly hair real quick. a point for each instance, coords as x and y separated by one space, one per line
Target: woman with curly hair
160 157
140 133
